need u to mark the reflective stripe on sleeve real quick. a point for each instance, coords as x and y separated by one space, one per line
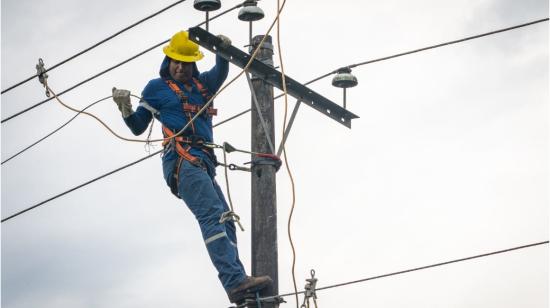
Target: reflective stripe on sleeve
145 105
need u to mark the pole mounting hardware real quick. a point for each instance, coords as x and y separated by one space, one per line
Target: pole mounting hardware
310 287
42 76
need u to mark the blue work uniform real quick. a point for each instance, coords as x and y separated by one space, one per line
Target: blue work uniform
196 185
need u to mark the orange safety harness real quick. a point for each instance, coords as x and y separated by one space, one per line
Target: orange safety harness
183 144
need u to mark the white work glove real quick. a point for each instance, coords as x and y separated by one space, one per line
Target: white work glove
226 42
122 99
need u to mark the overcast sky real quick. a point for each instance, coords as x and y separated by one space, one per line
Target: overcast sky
448 159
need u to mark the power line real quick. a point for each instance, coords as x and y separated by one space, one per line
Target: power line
448 43
109 69
81 185
54 131
413 269
316 79
95 45
82 82
403 54
231 118
311 81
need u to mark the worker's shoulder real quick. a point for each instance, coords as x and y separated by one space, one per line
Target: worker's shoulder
155 82
155 85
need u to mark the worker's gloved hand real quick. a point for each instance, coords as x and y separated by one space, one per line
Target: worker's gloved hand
226 42
122 99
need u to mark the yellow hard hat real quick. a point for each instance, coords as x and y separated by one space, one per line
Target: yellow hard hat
182 49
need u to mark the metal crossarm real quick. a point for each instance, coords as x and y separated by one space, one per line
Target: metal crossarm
272 76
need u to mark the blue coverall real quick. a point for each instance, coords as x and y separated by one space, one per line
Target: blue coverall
197 186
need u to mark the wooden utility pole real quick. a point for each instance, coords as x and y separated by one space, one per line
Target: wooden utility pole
264 201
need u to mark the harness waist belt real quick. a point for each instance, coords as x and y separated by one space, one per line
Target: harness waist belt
182 147
195 109
193 141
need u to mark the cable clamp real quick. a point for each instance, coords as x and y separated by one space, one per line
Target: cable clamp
231 216
212 145
42 76
266 159
310 287
234 167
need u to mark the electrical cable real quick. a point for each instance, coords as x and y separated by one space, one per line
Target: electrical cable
147 141
105 124
81 83
307 83
95 45
205 106
55 130
286 162
231 118
231 213
445 44
293 186
413 269
80 186
109 69
400 55
546 19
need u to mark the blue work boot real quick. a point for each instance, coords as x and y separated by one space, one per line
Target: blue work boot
249 286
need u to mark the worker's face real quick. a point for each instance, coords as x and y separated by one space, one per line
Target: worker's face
181 71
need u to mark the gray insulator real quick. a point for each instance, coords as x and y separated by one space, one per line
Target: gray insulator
207 5
344 79
251 13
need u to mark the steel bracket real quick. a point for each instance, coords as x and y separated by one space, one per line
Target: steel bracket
272 76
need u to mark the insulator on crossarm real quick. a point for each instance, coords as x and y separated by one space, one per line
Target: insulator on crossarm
344 78
207 5
250 11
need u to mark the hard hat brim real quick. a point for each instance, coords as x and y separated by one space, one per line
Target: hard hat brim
179 57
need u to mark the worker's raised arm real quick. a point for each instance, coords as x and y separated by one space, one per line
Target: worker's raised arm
215 77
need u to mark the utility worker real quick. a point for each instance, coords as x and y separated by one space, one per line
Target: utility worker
188 166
